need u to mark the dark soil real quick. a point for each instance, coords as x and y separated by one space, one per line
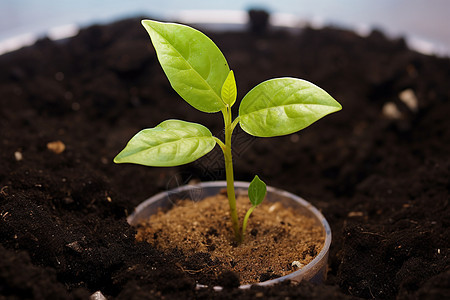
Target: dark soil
382 182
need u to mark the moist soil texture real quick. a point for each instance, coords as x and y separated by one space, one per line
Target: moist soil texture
278 240
378 170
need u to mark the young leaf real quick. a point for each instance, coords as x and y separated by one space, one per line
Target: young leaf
229 90
171 143
284 105
194 65
256 191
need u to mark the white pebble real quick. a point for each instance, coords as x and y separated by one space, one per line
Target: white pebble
297 264
18 155
97 296
391 111
409 98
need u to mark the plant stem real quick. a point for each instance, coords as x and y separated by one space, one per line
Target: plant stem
229 174
244 223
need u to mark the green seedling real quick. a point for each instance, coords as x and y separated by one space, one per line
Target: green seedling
199 73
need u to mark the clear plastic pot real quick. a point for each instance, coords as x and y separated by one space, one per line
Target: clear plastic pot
314 272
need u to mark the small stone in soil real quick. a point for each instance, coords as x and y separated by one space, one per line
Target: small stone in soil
75 246
18 155
56 147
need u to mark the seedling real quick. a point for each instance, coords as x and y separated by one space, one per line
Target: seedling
199 73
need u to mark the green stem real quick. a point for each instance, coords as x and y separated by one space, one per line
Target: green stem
229 174
221 144
235 122
244 224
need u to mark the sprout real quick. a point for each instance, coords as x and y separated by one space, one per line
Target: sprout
199 73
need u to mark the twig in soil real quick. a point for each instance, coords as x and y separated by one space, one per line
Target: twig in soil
192 272
3 215
3 190
370 291
373 233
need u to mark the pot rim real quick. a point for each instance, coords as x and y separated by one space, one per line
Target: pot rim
242 184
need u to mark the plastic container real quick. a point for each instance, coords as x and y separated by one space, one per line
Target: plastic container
314 272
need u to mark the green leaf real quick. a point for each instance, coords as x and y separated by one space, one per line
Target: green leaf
229 90
257 191
171 143
284 105
194 65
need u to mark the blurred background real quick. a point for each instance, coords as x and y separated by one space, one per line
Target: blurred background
424 23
